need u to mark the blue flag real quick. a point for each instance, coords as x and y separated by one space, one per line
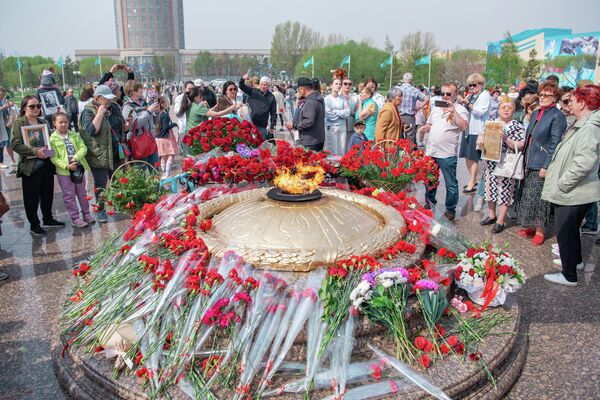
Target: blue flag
388 61
345 61
310 61
97 60
60 62
424 60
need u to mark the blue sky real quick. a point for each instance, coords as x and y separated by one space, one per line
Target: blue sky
61 26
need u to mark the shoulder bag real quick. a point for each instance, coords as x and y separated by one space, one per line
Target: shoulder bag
142 145
510 165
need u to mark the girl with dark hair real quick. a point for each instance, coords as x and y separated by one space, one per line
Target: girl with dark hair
165 139
35 169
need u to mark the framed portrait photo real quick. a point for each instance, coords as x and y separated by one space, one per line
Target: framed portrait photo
50 102
492 141
36 136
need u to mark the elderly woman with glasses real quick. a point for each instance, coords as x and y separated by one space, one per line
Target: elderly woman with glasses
499 190
478 104
389 123
572 183
544 132
35 169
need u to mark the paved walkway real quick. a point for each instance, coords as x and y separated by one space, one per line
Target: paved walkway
564 323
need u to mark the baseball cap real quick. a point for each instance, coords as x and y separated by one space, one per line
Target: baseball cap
305 82
359 122
198 82
104 91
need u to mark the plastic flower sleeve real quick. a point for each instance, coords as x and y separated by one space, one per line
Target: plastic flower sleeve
340 357
442 233
355 372
409 373
373 390
316 330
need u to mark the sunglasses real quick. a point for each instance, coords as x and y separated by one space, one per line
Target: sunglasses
566 102
347 83
446 94
34 106
546 95
473 84
232 90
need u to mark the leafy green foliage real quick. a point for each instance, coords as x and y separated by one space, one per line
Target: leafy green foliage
290 42
506 67
133 187
365 61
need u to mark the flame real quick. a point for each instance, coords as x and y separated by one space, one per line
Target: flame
301 179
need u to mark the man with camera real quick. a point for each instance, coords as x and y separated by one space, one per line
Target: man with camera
447 121
110 76
262 105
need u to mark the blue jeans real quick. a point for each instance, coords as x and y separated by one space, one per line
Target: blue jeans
591 218
448 168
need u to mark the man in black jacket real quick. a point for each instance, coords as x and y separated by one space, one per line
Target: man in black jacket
310 116
262 105
207 94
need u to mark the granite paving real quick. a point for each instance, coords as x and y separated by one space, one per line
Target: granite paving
563 361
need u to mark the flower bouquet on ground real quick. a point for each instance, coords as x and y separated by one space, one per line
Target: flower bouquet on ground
487 273
131 188
392 167
223 133
382 295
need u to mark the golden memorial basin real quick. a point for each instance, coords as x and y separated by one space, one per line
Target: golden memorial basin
300 236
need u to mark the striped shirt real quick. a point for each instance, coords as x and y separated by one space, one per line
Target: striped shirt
410 96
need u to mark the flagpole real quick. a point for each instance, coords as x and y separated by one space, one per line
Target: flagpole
429 74
391 70
349 64
313 67
100 64
62 64
20 78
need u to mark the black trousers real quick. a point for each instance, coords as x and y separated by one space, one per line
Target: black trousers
314 147
38 188
101 177
567 221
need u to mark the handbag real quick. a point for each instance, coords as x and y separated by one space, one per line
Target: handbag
77 175
3 205
142 145
510 166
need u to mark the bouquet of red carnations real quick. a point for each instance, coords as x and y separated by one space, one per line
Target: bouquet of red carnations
223 133
391 167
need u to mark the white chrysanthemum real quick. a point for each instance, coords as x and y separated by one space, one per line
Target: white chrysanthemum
360 293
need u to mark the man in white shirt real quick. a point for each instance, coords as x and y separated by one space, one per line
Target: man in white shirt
181 120
445 125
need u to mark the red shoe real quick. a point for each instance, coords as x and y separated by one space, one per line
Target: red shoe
526 233
538 239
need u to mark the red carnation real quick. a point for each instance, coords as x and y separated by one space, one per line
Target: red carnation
452 340
420 342
425 361
123 180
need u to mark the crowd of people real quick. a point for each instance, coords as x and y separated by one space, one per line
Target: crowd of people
555 131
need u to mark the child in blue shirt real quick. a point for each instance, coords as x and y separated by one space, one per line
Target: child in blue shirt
358 137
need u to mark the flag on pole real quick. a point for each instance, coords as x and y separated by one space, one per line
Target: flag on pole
98 60
310 61
345 61
19 65
60 63
424 60
388 61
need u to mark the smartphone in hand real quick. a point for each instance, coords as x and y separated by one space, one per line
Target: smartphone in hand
441 103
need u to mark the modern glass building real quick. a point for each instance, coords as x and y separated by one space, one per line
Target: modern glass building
149 24
551 43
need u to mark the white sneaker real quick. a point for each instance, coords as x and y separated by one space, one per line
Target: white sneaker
478 204
559 279
556 252
3 166
580 266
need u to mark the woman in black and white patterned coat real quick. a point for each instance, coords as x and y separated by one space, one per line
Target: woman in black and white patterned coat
500 190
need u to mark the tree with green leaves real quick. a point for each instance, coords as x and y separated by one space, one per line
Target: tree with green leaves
388 46
532 69
90 71
365 61
506 67
290 42
204 64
